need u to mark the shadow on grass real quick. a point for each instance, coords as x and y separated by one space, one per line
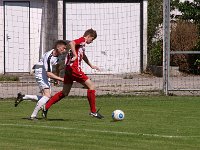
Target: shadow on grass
42 119
116 120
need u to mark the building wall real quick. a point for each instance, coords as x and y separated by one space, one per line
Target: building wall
42 34
117 47
1 38
46 26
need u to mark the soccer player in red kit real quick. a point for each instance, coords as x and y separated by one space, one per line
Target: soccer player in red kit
73 72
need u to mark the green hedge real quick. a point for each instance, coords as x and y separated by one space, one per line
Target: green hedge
9 78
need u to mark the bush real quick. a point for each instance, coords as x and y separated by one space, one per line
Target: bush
156 53
9 78
155 18
184 37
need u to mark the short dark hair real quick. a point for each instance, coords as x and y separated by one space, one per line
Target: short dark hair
90 32
59 42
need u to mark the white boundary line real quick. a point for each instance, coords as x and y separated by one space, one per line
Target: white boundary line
102 131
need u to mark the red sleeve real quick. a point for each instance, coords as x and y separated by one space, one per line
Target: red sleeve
80 41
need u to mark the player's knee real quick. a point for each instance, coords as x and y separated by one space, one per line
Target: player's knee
48 95
65 93
92 87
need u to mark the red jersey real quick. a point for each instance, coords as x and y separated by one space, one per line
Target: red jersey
80 50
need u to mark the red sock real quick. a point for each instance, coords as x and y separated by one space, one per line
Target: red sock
58 96
92 100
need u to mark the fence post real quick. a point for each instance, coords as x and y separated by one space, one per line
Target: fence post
166 45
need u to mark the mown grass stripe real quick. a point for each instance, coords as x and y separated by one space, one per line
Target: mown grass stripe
103 131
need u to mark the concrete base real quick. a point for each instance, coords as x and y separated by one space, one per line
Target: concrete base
158 71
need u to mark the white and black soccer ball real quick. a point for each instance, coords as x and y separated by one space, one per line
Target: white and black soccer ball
118 115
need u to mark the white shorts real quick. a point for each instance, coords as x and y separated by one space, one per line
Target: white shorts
41 78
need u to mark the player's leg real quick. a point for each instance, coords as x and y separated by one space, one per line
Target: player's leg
21 97
45 88
33 98
91 96
68 81
58 96
41 102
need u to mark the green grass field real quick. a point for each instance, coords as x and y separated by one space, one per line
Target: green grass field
151 123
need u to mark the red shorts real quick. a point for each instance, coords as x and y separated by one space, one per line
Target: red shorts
74 74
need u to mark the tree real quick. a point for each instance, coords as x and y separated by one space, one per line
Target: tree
155 18
191 14
190 10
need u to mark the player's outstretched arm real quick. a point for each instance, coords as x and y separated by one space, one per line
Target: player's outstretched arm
89 64
73 45
53 76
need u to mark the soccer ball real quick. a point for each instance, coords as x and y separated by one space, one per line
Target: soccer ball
118 115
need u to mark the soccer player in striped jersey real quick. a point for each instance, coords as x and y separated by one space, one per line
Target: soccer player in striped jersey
73 72
43 74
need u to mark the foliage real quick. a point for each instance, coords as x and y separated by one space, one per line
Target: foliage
186 36
155 11
190 10
9 78
155 18
197 66
197 62
156 53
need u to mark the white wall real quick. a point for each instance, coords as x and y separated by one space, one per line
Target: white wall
1 38
36 32
36 12
117 47
118 54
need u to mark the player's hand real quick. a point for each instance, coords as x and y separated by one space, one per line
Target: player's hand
62 80
74 58
96 68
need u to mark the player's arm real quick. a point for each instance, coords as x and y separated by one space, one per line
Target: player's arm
88 62
48 68
73 48
53 76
